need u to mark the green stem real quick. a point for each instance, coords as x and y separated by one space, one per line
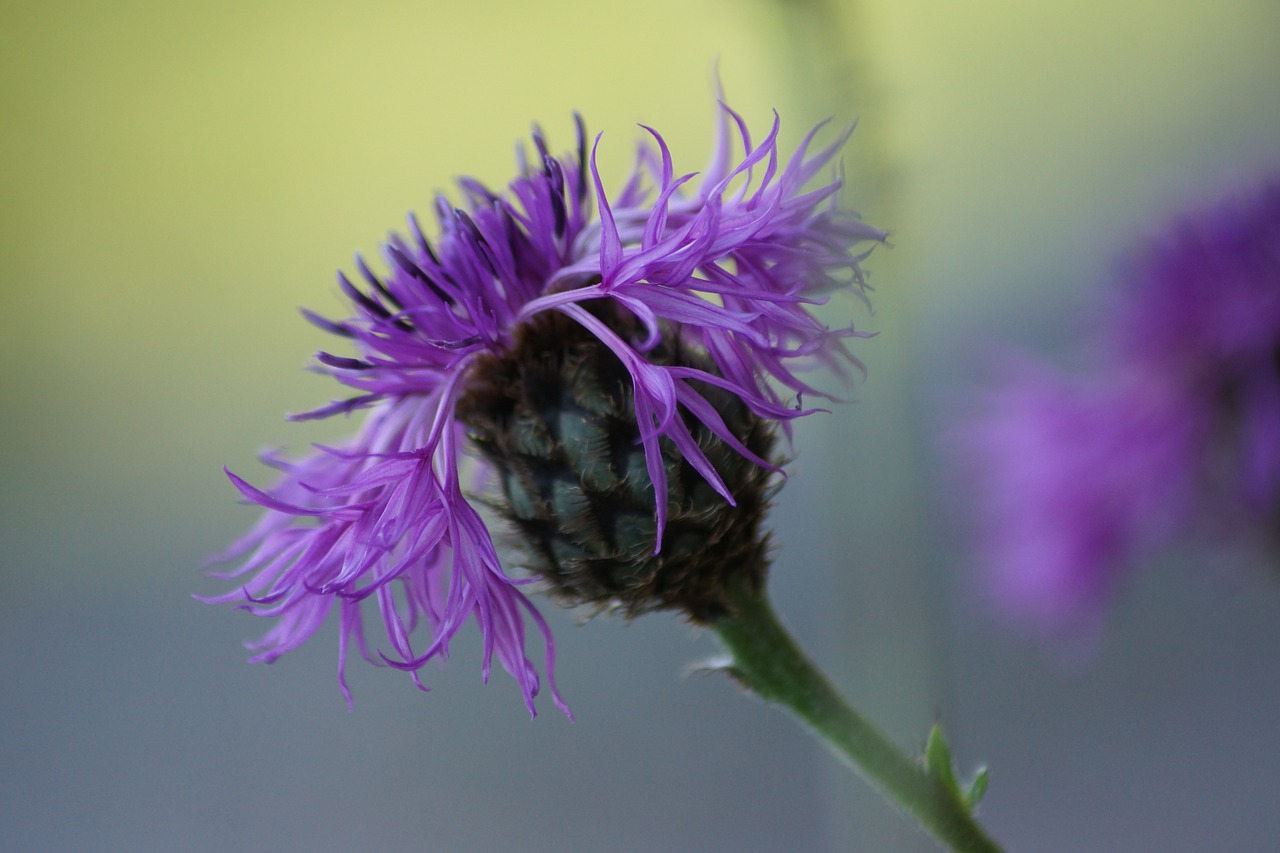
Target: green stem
767 661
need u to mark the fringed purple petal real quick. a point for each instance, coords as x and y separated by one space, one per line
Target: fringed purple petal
610 240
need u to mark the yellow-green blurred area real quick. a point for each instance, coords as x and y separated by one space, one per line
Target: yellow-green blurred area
180 178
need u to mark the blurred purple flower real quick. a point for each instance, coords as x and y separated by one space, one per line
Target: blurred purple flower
1203 314
1075 482
384 522
1179 427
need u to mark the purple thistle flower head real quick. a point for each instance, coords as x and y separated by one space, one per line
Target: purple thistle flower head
646 342
1178 429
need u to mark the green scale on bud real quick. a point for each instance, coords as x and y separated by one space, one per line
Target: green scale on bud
555 416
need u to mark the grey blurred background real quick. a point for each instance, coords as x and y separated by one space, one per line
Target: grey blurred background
179 178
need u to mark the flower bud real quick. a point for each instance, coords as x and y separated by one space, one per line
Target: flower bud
555 417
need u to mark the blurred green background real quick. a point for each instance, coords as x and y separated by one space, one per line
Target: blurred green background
179 178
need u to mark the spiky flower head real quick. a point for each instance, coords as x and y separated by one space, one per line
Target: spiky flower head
1176 429
616 364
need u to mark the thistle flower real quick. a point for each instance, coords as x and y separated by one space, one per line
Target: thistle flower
1178 428
616 364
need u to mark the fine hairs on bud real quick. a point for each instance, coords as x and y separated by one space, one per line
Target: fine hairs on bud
556 419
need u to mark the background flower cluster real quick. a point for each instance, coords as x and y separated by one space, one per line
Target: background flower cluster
1174 430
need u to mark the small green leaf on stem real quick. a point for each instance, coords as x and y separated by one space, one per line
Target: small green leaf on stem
977 787
937 757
